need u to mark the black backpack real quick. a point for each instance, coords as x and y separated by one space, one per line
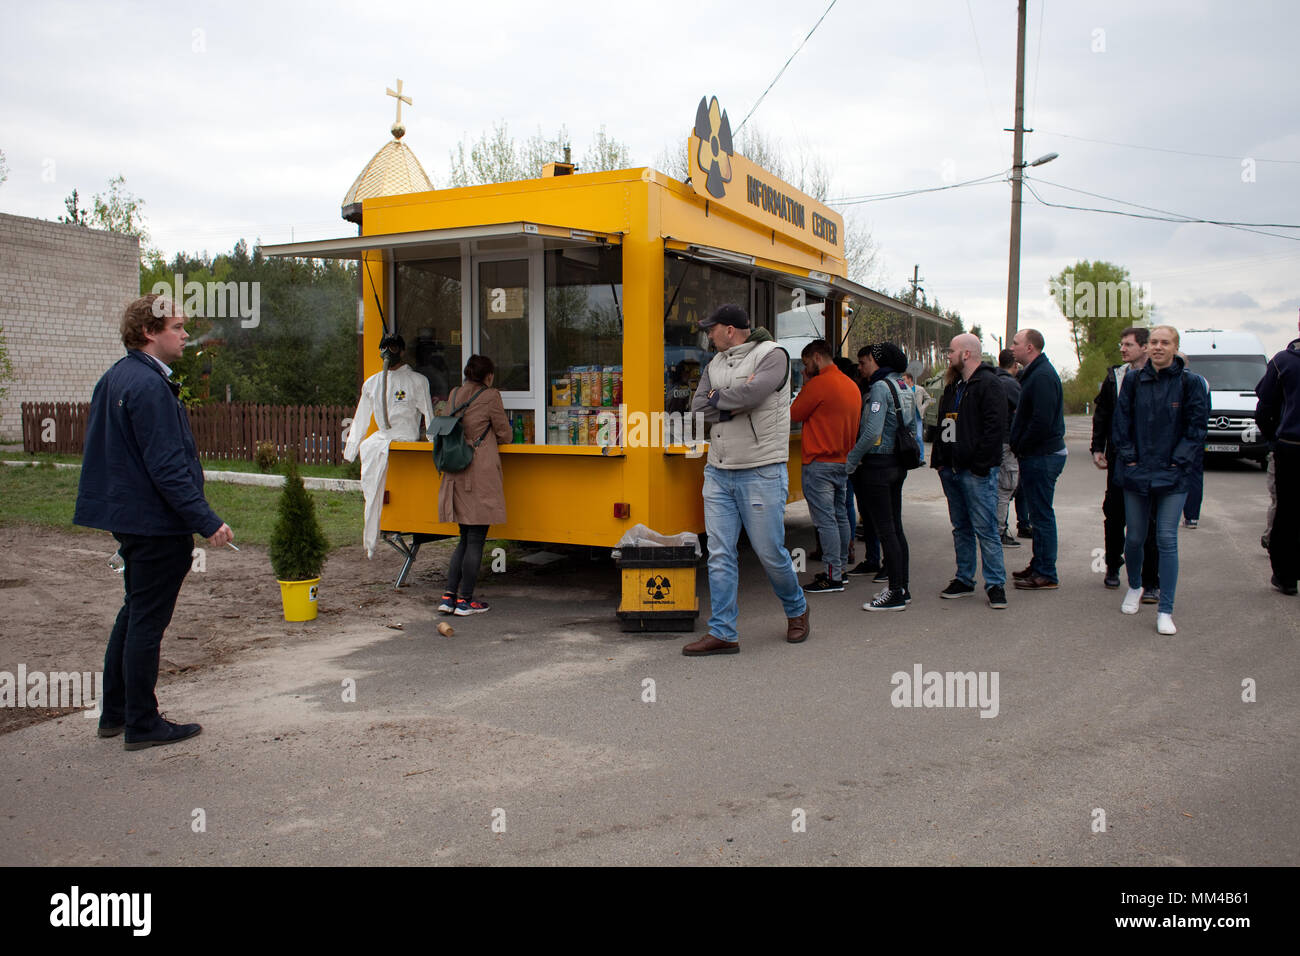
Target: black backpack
451 452
905 446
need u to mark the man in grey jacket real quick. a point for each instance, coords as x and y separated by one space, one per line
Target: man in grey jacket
744 392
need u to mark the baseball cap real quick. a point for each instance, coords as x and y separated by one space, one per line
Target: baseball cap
728 314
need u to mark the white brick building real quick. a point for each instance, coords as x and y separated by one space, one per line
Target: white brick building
62 292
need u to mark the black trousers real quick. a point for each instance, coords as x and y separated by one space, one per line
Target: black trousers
879 489
462 574
155 569
1284 539
1113 521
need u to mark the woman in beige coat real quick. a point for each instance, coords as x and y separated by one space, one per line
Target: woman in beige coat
474 498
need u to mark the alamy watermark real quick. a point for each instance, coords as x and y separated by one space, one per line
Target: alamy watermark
946 689
1084 299
59 689
212 300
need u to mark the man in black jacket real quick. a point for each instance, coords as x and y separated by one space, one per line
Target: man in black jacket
967 454
1038 441
1279 414
141 479
1133 349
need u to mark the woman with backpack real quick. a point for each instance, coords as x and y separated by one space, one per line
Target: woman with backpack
877 471
474 498
1158 426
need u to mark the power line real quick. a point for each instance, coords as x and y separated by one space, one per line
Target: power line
1171 217
902 193
782 70
1182 218
988 93
1162 149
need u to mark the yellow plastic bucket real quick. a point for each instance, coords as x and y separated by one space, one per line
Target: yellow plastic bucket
299 599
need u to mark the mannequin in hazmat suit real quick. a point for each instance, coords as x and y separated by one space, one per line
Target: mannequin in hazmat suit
397 397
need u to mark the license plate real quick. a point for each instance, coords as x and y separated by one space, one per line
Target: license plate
1223 448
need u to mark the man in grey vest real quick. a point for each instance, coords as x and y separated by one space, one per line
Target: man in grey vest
744 392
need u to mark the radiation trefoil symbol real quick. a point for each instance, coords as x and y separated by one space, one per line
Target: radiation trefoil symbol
400 394
658 587
714 130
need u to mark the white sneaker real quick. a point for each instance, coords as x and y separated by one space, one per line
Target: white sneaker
1165 624
1132 601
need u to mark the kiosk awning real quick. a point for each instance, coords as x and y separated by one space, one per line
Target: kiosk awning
446 243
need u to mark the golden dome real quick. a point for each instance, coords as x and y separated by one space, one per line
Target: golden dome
392 171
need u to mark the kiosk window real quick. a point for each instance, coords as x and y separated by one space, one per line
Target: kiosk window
427 308
503 321
691 291
584 345
800 318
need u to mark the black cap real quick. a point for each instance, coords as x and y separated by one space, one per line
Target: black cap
728 314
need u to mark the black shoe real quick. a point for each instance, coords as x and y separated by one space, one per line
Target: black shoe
956 589
1024 531
1008 541
882 577
1263 541
863 568
163 733
1112 578
110 730
823 585
1279 586
997 597
887 600
1150 595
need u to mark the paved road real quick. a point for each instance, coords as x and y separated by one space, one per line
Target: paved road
533 715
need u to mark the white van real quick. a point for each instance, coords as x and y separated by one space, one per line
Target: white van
1233 363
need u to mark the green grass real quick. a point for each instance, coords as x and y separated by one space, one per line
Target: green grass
46 496
210 464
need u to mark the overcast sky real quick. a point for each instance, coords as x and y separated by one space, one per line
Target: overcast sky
252 119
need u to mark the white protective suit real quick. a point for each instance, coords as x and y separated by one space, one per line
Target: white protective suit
408 399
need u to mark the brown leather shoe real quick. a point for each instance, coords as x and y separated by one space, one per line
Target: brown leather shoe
1021 575
1036 582
708 644
797 629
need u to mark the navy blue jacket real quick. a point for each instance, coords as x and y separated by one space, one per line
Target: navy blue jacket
974 441
1012 385
1160 423
1039 425
140 471
1278 410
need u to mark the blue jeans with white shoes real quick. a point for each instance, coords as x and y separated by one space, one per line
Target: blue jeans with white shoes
752 498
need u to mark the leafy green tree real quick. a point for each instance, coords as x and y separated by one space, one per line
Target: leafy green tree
298 545
497 157
74 215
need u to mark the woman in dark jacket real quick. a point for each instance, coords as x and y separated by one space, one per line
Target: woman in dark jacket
876 471
474 498
1159 423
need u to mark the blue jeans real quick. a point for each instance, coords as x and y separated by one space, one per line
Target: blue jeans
1168 506
1038 474
755 499
972 508
826 488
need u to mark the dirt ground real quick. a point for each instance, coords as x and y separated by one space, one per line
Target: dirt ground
59 598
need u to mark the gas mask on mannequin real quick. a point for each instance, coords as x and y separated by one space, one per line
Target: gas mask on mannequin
391 347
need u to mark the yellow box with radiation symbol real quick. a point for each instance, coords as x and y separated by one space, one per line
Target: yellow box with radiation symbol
658 589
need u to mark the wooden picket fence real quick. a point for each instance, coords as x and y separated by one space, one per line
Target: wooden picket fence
221 431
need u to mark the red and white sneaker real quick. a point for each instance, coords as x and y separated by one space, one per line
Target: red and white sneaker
464 608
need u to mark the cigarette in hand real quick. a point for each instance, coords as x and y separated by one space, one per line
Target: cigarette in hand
231 546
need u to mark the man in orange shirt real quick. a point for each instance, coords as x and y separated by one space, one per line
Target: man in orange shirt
830 408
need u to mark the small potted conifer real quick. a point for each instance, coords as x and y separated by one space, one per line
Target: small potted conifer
298 548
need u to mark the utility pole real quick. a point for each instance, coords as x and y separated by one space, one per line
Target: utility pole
1017 173
916 283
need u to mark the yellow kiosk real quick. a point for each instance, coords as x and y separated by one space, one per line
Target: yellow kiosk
586 290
